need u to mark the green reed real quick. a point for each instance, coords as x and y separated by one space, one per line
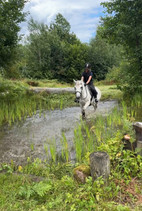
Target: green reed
78 141
53 153
65 149
88 137
15 110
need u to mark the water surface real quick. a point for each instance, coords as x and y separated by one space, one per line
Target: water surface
30 137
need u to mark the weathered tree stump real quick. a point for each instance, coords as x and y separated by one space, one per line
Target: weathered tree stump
138 128
99 165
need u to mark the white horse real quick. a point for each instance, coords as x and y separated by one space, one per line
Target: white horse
84 97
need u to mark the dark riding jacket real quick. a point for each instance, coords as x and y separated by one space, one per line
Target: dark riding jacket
86 76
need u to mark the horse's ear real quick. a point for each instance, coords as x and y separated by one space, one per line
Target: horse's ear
74 81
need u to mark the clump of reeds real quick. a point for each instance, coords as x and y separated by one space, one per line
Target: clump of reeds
89 138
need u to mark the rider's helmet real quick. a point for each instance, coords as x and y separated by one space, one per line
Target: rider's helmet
87 65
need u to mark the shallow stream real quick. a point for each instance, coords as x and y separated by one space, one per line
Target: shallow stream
29 138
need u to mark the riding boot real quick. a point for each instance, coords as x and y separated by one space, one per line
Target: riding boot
96 100
91 99
95 95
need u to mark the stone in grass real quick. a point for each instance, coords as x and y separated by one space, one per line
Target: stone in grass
99 165
81 172
128 145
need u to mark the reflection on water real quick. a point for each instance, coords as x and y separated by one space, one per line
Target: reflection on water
30 138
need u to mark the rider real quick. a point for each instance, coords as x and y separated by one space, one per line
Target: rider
88 80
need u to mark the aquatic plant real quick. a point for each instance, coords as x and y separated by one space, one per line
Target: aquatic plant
52 148
65 149
102 129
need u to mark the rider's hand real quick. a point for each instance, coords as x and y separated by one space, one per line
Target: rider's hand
85 84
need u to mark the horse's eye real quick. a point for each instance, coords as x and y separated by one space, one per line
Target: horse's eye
81 87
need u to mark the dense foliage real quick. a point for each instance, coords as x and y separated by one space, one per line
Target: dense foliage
123 25
10 16
103 56
54 52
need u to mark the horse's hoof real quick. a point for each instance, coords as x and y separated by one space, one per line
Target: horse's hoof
83 115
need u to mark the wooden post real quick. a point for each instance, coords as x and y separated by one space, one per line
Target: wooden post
99 165
138 128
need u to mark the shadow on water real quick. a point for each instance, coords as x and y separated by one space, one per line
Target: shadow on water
30 137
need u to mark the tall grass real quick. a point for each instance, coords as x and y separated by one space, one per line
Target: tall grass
88 138
16 102
65 148
22 107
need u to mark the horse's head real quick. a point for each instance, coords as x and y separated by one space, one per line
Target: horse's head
78 88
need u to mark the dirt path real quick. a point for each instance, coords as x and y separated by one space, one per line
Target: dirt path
52 90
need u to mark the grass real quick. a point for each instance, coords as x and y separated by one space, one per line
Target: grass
110 92
46 83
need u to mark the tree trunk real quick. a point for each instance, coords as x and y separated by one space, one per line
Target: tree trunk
99 165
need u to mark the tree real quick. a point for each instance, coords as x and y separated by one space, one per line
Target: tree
54 52
61 26
75 59
10 16
103 56
123 25
38 50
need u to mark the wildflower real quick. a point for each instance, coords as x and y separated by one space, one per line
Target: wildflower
20 168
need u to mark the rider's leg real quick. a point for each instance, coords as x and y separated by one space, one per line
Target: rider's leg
94 92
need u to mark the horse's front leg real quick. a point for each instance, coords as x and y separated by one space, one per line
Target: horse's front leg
84 108
82 111
95 106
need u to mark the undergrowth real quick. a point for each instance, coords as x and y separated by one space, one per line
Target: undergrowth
49 185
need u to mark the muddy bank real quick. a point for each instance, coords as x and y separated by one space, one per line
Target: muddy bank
32 137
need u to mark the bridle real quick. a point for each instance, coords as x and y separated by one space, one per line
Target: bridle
80 92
